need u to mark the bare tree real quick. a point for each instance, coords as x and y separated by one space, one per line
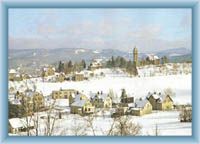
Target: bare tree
89 120
186 114
170 92
157 132
123 126
78 128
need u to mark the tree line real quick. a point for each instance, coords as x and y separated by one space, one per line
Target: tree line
68 66
120 62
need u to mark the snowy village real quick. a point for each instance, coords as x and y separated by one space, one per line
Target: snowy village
103 97
100 72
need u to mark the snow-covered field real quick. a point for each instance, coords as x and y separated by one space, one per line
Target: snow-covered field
168 124
135 86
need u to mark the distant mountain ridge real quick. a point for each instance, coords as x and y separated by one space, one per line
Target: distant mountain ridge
174 52
34 57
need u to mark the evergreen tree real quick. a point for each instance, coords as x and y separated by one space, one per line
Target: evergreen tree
70 64
61 67
113 61
123 95
122 62
83 64
109 63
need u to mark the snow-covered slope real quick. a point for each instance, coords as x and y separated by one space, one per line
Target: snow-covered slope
117 80
140 87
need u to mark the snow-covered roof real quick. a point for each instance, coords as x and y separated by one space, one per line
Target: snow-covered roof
154 95
21 122
54 69
98 60
160 97
163 97
12 71
139 103
102 96
152 57
15 123
18 75
79 103
61 102
79 73
77 97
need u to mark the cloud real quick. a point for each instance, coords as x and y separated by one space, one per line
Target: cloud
109 31
186 21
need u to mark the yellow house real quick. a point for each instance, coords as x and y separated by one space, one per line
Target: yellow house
79 76
18 77
101 100
60 77
12 74
160 101
48 71
95 64
82 105
26 76
64 94
140 107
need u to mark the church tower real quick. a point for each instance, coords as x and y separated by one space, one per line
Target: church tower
135 56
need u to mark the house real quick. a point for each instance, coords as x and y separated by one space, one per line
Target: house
26 76
78 76
64 94
101 100
160 101
87 74
127 100
17 125
60 77
82 105
140 107
152 59
18 77
95 64
12 74
47 71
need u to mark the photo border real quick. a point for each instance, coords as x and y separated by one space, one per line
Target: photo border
4 7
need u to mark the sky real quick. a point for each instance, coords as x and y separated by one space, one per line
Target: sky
122 29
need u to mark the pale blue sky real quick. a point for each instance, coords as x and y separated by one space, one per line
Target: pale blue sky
148 29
